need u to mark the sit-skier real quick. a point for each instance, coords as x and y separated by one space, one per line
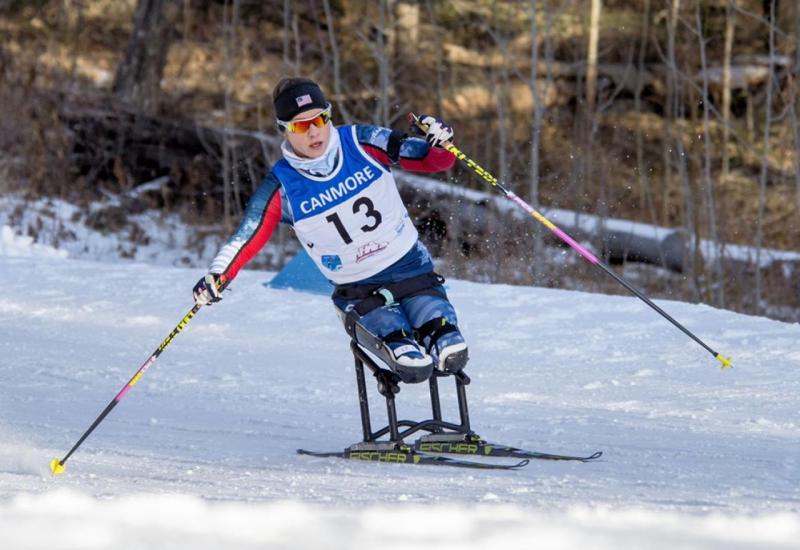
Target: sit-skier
334 186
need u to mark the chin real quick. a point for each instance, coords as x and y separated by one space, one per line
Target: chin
315 153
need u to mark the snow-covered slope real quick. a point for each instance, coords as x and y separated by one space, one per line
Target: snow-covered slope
201 453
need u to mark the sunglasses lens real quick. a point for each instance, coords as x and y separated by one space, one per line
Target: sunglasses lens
302 126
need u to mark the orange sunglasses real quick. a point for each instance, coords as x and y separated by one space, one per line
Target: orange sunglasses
301 126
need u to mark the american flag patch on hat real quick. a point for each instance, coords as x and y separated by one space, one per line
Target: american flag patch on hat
303 100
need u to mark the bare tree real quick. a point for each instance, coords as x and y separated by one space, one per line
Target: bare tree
730 26
644 180
336 62
287 22
794 103
383 58
536 135
538 109
670 107
292 57
232 199
438 55
716 279
500 79
762 181
406 51
139 75
674 142
591 57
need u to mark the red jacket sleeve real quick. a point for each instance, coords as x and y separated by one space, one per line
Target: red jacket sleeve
415 153
262 214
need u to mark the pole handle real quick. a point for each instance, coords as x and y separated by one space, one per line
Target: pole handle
414 119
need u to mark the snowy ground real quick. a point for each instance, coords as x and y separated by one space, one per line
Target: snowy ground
201 453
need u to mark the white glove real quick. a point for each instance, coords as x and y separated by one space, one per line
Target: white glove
438 130
209 289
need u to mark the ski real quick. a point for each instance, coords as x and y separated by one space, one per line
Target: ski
474 445
406 455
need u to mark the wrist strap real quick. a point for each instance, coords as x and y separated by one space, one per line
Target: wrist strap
396 139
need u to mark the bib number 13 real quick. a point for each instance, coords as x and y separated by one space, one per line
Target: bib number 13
370 212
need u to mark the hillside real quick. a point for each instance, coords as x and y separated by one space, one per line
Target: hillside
654 144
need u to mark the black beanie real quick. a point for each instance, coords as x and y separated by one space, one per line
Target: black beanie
301 95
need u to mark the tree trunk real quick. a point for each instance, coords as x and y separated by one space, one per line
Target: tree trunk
407 14
231 192
439 55
287 23
591 58
670 109
762 183
730 26
336 64
536 129
716 277
138 78
645 184
770 10
795 99
383 57
536 134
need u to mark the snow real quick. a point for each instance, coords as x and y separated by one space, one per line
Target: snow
165 240
591 224
20 245
80 522
149 237
201 452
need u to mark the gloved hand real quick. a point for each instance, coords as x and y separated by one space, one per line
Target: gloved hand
438 130
209 289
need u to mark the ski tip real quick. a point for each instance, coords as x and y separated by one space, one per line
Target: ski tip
56 467
726 361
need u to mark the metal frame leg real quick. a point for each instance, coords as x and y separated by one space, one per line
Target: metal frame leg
461 381
388 387
391 413
436 407
363 401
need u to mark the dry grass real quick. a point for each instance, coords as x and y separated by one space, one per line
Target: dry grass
71 48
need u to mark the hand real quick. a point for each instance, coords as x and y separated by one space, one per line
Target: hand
438 130
209 289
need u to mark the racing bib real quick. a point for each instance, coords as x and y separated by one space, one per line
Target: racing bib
352 223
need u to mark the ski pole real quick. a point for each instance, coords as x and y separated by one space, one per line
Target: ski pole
591 258
56 465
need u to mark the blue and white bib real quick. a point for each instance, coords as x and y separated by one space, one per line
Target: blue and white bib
352 223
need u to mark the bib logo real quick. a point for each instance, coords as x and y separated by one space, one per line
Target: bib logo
333 263
338 190
370 249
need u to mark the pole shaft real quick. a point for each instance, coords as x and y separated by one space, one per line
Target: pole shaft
653 305
583 251
134 379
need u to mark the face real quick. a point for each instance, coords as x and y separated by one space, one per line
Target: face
312 143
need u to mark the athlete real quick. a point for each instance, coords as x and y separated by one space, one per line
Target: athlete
334 186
